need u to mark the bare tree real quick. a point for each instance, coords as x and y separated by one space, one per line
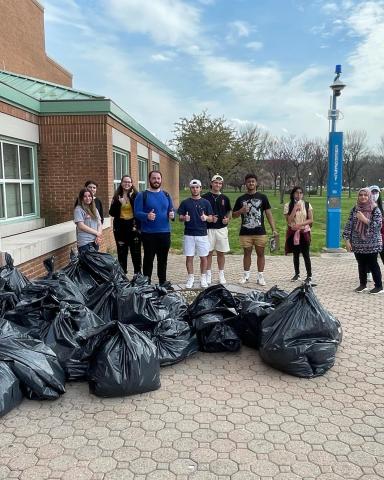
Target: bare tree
279 153
320 162
355 150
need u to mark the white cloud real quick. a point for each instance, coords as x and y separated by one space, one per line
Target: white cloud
254 45
238 29
367 22
163 57
168 22
330 7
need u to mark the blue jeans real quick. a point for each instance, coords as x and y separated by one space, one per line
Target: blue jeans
87 247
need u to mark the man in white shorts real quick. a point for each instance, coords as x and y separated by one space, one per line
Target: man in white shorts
195 212
218 229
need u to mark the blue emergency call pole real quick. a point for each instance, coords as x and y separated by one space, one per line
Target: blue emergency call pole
335 168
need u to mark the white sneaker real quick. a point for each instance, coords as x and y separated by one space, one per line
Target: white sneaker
222 278
190 281
203 281
260 279
209 277
243 280
369 277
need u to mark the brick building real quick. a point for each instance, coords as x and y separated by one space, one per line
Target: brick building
52 139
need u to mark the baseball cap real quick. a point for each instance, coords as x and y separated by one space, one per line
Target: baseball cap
374 187
195 183
217 177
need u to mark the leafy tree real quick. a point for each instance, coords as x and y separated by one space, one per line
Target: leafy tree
204 145
209 145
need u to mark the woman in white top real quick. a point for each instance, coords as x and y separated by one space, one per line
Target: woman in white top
299 216
88 222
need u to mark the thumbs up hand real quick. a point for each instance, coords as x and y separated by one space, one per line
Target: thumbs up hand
171 215
187 218
203 217
152 215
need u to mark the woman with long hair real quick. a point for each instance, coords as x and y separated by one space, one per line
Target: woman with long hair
362 234
88 222
125 227
299 216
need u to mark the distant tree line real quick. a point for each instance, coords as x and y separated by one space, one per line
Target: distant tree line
209 145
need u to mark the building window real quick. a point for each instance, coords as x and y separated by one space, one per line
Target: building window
121 166
143 173
17 181
156 166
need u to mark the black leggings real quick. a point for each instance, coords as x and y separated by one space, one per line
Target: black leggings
156 244
130 241
303 248
367 262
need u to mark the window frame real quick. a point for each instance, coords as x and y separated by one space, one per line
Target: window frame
142 184
20 181
127 154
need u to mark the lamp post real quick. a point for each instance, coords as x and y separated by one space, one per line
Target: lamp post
309 186
335 168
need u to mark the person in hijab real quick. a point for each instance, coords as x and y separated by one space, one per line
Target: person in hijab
362 235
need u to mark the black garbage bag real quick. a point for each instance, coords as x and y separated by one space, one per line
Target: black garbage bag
176 305
14 280
174 340
139 280
300 337
8 301
79 275
63 337
123 361
212 297
275 295
142 306
216 331
35 365
103 299
10 392
252 313
57 287
30 317
101 265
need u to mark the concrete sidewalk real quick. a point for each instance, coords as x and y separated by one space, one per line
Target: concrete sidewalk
224 416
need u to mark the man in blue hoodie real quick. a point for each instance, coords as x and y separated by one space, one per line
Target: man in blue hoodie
154 209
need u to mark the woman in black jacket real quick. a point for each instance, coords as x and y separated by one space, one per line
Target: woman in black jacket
125 228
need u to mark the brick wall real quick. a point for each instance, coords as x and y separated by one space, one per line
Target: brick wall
22 42
18 113
168 166
73 149
35 268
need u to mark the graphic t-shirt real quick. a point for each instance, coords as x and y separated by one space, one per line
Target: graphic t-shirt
221 205
252 223
195 208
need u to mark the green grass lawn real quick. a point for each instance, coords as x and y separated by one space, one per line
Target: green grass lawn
318 229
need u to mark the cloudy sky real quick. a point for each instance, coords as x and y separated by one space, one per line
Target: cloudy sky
265 62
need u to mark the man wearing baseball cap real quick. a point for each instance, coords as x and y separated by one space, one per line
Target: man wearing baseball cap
218 229
195 212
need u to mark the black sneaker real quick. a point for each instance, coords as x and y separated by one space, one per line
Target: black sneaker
361 288
376 291
296 278
167 285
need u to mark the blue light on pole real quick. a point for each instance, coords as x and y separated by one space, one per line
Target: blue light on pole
335 168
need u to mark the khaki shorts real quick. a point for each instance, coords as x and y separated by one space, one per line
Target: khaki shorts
218 239
248 241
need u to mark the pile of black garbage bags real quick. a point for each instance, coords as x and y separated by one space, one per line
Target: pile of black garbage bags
89 322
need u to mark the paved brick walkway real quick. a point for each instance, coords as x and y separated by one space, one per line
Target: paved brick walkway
223 416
